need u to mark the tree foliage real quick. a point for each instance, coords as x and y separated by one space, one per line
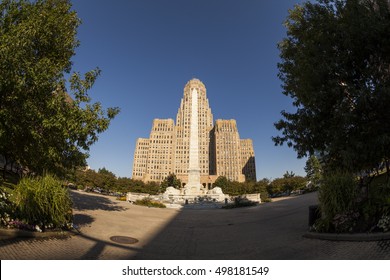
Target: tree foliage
286 185
335 65
313 170
288 174
43 125
222 182
108 179
171 181
236 188
107 182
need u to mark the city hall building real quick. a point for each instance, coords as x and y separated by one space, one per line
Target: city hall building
220 151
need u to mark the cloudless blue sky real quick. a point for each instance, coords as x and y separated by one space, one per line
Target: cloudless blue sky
149 49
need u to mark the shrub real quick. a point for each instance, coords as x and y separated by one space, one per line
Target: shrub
376 203
149 203
338 200
43 201
240 202
7 208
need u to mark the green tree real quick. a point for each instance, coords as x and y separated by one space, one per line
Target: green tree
313 171
86 178
171 181
152 188
107 179
288 174
294 183
123 184
335 65
43 126
261 187
222 182
286 184
276 186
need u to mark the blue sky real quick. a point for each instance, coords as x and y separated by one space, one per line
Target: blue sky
148 50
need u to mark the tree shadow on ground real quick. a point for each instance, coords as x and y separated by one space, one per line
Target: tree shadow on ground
82 220
96 250
267 231
82 202
93 253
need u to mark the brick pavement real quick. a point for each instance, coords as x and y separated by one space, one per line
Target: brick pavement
269 231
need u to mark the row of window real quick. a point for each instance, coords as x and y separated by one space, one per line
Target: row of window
162 141
142 144
156 129
158 175
158 136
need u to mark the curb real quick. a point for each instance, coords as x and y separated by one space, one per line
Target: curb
17 233
361 237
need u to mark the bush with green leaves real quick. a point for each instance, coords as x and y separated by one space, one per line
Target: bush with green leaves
240 202
149 203
376 201
43 201
338 198
6 208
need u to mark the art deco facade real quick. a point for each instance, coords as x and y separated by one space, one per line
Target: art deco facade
221 151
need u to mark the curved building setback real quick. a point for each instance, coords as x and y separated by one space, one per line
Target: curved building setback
170 148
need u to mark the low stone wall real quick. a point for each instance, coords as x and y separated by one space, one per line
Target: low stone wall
132 197
255 197
175 197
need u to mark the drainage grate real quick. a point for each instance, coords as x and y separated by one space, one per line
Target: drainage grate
123 239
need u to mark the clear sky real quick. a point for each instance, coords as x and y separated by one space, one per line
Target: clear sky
149 49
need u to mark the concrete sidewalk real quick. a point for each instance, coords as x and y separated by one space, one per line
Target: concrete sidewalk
269 231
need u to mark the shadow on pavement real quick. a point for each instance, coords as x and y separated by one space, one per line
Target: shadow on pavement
10 241
81 202
241 233
82 220
95 252
272 231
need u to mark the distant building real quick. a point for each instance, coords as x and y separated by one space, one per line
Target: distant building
221 151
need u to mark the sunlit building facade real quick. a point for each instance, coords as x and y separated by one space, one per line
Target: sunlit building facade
221 151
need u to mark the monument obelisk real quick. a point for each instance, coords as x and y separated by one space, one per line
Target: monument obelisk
194 187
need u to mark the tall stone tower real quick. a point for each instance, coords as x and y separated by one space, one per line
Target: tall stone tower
194 149
183 127
193 185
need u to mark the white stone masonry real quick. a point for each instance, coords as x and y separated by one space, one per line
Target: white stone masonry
194 186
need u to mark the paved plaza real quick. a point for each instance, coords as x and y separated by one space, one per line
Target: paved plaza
271 231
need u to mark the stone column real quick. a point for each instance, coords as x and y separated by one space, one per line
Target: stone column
193 186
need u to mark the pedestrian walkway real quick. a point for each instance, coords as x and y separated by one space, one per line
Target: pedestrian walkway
270 231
